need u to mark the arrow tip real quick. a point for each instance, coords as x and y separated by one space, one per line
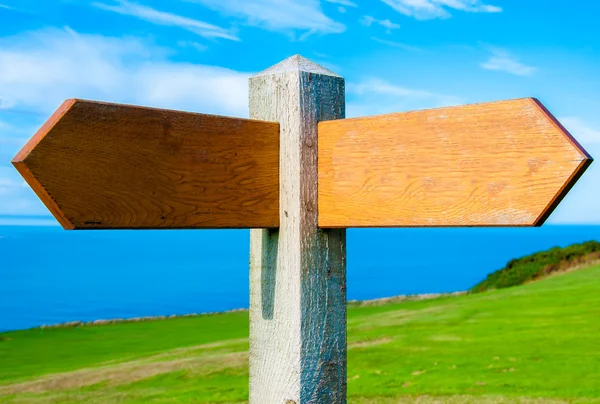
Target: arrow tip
586 161
21 159
562 129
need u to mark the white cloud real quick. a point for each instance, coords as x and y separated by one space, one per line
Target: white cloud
581 130
13 135
163 18
26 221
191 44
581 204
279 15
41 69
376 96
367 21
13 9
4 103
9 183
15 196
398 45
502 60
431 9
346 3
379 86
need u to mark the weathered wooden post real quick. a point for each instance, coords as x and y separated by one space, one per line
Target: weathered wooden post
298 272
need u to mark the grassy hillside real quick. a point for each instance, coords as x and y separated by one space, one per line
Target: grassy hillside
539 265
537 343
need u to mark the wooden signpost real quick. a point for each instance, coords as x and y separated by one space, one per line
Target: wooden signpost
299 174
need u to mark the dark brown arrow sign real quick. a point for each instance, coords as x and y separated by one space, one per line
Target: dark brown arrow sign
107 166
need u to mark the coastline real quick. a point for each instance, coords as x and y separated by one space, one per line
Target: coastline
351 303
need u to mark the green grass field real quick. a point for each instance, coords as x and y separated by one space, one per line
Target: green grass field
538 343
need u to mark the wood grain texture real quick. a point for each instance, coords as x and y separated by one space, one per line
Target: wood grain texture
506 163
298 272
107 166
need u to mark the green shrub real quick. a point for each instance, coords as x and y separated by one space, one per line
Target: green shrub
538 265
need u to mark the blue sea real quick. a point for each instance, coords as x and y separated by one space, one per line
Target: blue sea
49 276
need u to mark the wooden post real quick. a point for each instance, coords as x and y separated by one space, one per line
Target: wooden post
298 272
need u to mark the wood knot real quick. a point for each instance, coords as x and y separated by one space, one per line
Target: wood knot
290 402
308 142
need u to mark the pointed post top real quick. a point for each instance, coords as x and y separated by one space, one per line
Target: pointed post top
297 63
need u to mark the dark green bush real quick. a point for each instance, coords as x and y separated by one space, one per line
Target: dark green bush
535 266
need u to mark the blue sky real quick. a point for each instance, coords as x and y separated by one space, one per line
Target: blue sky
197 55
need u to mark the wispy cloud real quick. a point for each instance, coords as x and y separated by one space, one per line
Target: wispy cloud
39 70
279 15
15 196
27 221
377 96
157 17
12 8
379 86
367 21
581 204
10 183
398 45
346 3
582 131
191 44
502 60
431 9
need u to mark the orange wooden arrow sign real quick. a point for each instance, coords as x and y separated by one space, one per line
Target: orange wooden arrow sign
98 165
499 164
